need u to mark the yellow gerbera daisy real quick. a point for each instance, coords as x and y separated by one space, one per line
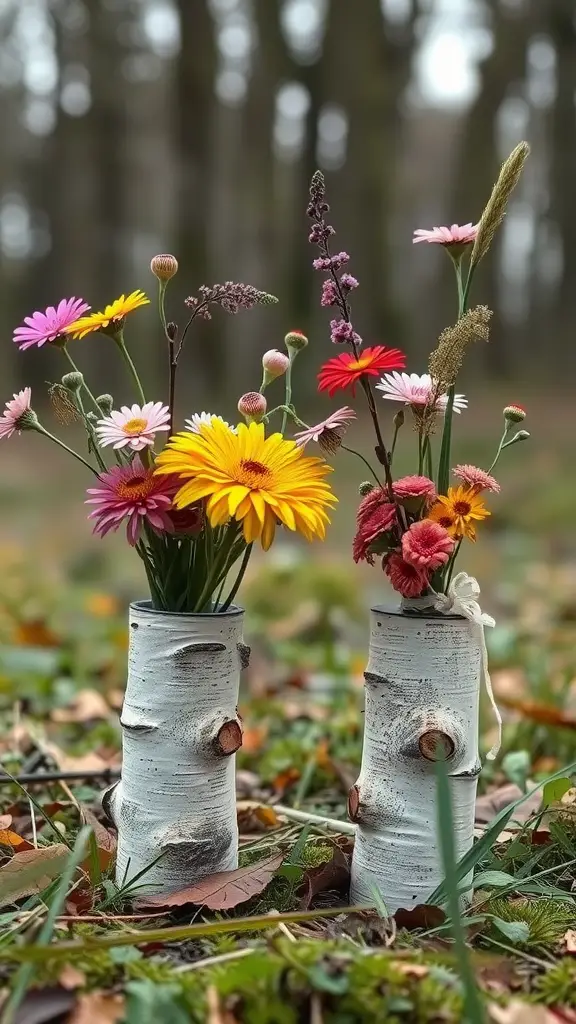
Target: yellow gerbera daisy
456 510
116 311
258 480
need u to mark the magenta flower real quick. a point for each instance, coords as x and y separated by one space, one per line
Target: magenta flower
458 234
134 427
49 325
476 478
133 493
14 410
329 432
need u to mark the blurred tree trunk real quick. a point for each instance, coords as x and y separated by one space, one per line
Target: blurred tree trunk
480 162
195 114
562 29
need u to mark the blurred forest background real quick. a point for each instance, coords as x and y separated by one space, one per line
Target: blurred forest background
193 126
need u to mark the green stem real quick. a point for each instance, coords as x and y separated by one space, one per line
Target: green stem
84 384
219 563
92 434
365 461
119 339
288 395
288 411
238 581
394 439
451 565
446 445
500 446
428 458
420 453
42 430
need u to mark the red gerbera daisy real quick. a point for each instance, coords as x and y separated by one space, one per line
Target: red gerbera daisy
345 370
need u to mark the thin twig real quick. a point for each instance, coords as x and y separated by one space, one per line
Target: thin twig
106 774
316 819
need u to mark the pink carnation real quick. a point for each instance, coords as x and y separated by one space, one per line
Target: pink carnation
407 579
427 545
415 487
476 478
375 516
135 494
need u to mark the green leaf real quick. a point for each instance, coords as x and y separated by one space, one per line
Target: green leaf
491 879
516 931
555 790
322 981
149 1003
516 766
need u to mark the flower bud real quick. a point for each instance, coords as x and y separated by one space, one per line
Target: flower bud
171 330
514 413
365 488
398 419
252 406
106 403
295 341
92 417
73 381
274 364
522 435
164 266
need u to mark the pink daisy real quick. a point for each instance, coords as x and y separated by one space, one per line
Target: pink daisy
14 410
49 325
415 389
135 427
427 545
415 487
133 493
408 580
329 432
476 478
458 234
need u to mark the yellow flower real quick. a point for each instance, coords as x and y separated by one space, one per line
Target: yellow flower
111 315
456 510
258 480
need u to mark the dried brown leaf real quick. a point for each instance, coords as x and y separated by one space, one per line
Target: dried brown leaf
333 874
570 941
256 817
87 706
71 978
490 804
45 1005
105 840
221 891
31 871
518 1012
423 915
97 1008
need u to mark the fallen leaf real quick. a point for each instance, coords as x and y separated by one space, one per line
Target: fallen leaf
5 820
333 874
499 977
544 714
518 1012
284 780
411 970
490 804
424 915
570 941
35 633
97 1008
253 739
71 978
221 891
105 840
44 1005
88 705
31 871
217 1014
86 763
255 817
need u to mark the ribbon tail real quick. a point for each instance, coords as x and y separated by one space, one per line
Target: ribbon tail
493 753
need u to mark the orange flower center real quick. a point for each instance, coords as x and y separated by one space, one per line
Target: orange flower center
359 364
135 426
462 508
135 489
252 473
446 522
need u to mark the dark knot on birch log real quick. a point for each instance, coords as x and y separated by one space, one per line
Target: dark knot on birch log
435 745
229 738
353 803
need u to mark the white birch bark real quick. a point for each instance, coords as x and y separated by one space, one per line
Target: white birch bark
180 730
422 689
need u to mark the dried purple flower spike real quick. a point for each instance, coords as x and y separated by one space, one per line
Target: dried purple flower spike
230 296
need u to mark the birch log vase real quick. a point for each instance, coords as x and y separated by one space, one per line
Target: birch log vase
174 806
422 688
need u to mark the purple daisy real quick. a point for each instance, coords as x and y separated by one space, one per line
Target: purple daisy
49 325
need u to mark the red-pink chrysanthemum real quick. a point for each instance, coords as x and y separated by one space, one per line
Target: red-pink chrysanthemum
427 545
135 494
50 324
457 234
415 487
14 410
407 579
476 478
376 515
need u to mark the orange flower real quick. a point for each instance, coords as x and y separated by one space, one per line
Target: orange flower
457 510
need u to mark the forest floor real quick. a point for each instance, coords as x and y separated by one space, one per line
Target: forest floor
276 942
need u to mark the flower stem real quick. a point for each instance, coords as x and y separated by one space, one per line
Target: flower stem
446 445
91 434
42 430
365 461
500 446
287 409
119 339
84 384
224 607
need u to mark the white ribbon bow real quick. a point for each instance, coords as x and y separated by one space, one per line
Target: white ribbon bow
462 599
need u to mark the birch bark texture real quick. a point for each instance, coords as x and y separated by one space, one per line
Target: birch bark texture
422 688
175 804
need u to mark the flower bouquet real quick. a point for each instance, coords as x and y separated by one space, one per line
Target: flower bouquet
192 513
428 654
